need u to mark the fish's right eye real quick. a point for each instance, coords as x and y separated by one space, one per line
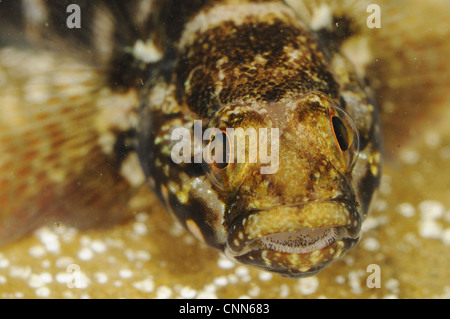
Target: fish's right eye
346 135
220 163
341 134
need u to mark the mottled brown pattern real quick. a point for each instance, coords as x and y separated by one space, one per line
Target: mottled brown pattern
251 62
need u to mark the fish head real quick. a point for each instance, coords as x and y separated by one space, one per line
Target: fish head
291 203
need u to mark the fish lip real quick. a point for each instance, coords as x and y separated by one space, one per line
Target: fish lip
248 228
287 230
312 240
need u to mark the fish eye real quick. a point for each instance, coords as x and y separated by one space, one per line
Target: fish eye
217 159
219 151
220 163
341 134
346 135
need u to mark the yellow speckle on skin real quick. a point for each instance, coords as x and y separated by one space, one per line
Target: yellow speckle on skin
182 197
182 194
166 170
339 248
374 163
294 259
131 170
305 269
146 51
267 261
195 230
165 193
316 256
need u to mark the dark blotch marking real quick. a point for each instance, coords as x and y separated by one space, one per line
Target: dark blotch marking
124 145
367 186
343 27
197 210
174 15
125 72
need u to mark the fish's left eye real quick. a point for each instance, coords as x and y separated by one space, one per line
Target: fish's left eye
346 135
340 131
217 161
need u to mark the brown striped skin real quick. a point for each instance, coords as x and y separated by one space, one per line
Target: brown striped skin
248 64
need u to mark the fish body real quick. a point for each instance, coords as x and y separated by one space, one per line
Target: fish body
255 65
137 104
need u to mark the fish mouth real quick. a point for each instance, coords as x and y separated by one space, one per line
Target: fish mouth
295 241
303 241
